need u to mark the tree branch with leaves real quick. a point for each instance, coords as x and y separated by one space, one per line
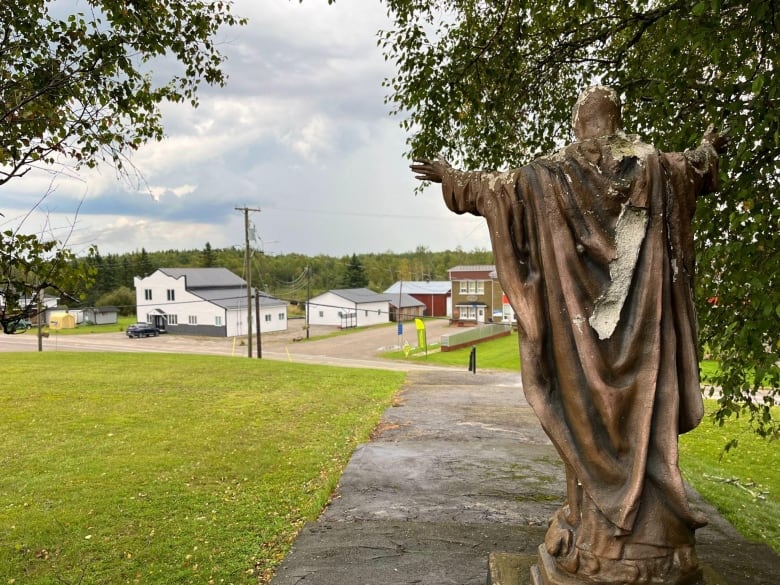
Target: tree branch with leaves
490 84
81 88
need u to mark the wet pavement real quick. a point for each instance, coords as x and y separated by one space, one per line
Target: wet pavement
459 468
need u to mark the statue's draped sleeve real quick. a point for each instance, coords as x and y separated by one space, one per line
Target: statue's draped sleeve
593 247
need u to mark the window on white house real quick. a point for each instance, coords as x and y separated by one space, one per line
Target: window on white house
171 293
281 316
218 320
147 294
193 319
322 313
172 319
268 318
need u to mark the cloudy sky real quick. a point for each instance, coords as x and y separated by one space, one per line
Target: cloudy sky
301 131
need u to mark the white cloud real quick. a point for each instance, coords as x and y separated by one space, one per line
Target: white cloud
314 138
180 191
301 130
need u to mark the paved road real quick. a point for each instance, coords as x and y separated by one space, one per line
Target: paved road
359 348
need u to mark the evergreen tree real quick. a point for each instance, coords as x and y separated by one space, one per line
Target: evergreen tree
355 275
207 256
143 265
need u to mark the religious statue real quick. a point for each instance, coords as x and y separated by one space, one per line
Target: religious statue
594 248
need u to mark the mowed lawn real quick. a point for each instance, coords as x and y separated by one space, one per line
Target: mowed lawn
155 468
502 353
743 483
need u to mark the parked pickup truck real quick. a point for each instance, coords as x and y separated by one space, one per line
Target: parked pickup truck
142 330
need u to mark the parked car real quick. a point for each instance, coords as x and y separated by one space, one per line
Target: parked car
22 325
142 330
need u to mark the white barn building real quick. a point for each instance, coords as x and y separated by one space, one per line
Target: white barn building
349 307
203 301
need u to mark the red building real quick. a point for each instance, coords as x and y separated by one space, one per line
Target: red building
435 295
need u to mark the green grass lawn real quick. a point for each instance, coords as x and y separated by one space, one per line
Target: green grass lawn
156 468
120 325
743 484
501 353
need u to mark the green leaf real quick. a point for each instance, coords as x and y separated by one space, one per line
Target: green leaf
758 83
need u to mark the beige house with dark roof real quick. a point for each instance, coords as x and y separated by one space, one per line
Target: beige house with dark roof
477 296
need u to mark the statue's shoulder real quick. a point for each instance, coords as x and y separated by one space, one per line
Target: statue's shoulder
601 151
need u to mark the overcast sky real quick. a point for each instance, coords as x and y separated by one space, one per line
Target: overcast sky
301 131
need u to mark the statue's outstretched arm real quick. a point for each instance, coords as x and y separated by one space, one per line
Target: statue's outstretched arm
702 162
718 139
430 170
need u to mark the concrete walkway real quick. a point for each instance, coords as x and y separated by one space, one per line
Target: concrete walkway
458 469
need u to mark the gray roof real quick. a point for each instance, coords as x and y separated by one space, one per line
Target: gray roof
421 287
360 295
473 268
365 295
406 301
219 286
235 298
206 277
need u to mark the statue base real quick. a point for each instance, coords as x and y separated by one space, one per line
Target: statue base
523 569
510 568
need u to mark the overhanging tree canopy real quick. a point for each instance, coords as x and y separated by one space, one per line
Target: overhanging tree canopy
491 84
85 86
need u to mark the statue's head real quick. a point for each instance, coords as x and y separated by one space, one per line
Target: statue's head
596 113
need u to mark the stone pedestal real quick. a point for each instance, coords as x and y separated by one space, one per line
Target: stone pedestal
510 568
523 569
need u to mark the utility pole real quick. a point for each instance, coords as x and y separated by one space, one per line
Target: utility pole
308 298
248 272
38 319
257 324
399 316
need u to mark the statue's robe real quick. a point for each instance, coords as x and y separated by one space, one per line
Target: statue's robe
594 249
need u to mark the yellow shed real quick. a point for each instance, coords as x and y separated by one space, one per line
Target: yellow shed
62 321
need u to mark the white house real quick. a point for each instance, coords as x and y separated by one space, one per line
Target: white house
204 301
349 307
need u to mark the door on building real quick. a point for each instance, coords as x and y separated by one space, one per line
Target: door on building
480 314
159 321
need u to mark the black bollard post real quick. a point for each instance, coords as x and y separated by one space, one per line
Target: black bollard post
473 359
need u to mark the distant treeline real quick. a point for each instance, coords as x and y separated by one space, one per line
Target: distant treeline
284 275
